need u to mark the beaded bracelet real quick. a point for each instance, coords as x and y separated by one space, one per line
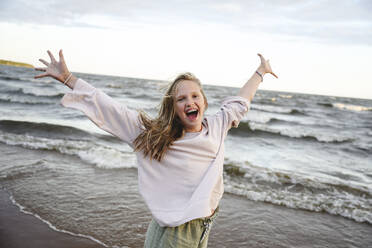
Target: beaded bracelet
260 75
68 78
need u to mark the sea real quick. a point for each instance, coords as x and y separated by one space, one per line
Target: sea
308 153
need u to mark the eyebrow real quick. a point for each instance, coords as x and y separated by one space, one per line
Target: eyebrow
194 92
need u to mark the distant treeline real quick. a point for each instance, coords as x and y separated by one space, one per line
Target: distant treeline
12 63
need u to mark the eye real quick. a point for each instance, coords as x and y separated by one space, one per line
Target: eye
180 99
195 96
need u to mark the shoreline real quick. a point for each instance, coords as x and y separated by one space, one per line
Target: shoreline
123 220
18 229
253 224
16 64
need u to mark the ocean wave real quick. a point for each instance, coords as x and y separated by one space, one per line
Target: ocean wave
285 96
94 152
343 106
13 78
27 80
30 96
114 86
34 92
306 133
357 108
274 120
329 194
22 100
278 109
44 130
363 146
17 173
325 104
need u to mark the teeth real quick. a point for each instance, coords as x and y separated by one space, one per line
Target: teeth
192 110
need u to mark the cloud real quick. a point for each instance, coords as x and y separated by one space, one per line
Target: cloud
345 21
227 7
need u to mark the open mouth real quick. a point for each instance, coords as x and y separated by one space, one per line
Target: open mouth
192 115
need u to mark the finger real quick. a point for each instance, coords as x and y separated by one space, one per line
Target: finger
44 62
261 57
52 59
41 75
272 73
61 58
40 69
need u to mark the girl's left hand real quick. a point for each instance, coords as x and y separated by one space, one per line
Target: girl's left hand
55 69
265 66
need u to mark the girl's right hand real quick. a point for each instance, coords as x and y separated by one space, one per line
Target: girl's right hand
55 69
265 66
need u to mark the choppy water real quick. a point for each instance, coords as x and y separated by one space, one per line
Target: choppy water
301 151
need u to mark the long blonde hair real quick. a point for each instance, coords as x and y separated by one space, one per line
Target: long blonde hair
160 132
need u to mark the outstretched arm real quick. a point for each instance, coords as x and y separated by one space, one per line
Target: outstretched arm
249 89
107 113
57 70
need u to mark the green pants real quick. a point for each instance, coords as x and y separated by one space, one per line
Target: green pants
194 233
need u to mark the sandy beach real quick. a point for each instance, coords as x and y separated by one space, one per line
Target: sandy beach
242 222
18 230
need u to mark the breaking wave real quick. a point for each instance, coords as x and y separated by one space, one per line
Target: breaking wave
260 129
333 194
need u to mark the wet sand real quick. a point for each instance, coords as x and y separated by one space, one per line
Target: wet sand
19 230
247 223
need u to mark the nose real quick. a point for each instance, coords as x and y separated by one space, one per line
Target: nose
189 101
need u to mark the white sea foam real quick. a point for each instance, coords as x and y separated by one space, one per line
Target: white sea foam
266 117
301 132
23 210
35 91
93 153
258 117
351 207
271 108
285 96
21 99
295 190
351 107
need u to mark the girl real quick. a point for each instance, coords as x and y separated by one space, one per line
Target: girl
180 153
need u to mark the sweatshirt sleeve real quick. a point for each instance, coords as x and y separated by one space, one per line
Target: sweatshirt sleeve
104 111
233 110
230 114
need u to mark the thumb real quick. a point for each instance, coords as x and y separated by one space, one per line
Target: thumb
61 57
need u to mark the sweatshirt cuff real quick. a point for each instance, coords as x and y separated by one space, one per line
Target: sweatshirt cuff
80 89
238 99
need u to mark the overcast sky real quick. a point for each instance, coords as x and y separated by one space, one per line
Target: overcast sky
320 47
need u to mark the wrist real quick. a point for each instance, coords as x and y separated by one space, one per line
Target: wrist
64 76
260 75
71 82
261 70
67 78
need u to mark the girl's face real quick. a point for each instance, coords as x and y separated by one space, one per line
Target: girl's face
189 105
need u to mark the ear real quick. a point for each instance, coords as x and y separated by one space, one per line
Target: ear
205 100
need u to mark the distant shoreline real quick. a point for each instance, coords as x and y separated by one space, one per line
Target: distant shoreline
13 63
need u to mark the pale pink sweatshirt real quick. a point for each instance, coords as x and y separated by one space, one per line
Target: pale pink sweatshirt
187 183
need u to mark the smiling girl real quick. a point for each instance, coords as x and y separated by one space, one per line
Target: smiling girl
180 153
